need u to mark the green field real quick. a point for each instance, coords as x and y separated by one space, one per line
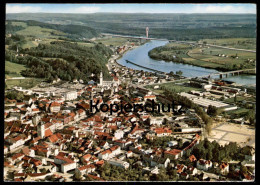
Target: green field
13 68
172 87
242 43
113 41
208 54
240 99
23 24
86 44
44 34
207 57
240 112
39 32
24 83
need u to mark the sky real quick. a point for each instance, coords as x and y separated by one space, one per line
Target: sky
131 8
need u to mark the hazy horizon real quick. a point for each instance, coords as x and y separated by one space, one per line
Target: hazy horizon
156 8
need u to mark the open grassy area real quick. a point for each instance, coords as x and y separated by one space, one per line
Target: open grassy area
32 32
240 112
209 57
240 99
24 83
242 43
13 69
39 32
23 24
115 41
173 87
86 44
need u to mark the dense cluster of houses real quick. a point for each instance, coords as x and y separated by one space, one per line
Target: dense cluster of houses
52 135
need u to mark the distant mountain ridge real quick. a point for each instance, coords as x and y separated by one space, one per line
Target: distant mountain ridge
170 26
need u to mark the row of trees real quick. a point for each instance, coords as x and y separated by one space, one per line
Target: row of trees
217 153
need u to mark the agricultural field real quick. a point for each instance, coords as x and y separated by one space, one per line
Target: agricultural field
24 83
87 44
13 69
231 57
39 32
205 56
177 88
23 24
114 41
240 99
238 113
241 43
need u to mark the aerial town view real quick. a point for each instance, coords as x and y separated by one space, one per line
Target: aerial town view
129 92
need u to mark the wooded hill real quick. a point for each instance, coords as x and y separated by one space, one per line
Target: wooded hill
65 60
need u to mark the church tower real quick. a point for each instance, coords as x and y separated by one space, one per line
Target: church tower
101 79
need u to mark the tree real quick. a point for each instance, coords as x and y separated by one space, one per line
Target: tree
212 110
243 169
15 95
179 72
251 117
235 99
180 143
77 176
165 121
162 176
88 178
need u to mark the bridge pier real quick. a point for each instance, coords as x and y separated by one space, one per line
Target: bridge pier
226 75
220 76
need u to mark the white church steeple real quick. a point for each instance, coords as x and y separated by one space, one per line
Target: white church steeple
101 79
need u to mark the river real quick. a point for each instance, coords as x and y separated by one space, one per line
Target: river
140 56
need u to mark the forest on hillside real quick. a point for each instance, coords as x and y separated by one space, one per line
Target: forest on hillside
75 32
61 59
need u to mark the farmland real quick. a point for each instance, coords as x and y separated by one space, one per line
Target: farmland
24 83
13 69
204 56
241 43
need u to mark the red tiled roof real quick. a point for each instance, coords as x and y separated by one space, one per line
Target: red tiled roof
101 162
64 159
53 138
173 152
86 167
48 132
192 158
55 104
86 157
95 177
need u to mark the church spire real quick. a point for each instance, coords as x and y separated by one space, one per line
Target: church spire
101 78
